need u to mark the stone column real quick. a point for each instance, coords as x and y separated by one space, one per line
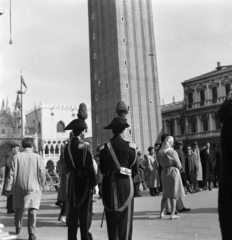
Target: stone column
207 94
49 153
186 126
199 123
195 98
43 150
211 128
59 148
164 127
167 126
178 126
175 126
54 151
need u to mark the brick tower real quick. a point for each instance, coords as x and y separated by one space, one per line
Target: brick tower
123 67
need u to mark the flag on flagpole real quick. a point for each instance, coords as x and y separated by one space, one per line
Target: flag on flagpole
23 83
17 103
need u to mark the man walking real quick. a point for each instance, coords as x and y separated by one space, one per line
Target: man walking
82 180
9 159
26 180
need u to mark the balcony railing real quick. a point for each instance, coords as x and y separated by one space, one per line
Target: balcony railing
52 156
205 103
214 133
172 106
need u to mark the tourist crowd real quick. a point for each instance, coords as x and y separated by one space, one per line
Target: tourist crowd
199 168
169 167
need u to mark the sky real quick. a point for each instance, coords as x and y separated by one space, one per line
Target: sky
51 47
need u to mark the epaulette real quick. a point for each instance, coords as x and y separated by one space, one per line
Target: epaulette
101 148
83 145
132 145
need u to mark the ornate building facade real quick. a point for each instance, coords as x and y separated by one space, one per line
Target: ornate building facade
10 129
48 122
194 118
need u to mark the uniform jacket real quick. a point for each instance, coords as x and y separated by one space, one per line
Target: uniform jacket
117 188
26 179
139 177
78 159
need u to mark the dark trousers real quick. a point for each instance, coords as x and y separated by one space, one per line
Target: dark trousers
205 181
9 203
63 210
84 215
31 219
216 177
120 224
136 189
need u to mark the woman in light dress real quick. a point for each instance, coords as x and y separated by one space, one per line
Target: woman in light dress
152 171
196 151
170 176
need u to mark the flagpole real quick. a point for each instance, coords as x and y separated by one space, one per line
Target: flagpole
21 90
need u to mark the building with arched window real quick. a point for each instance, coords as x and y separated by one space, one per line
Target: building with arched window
49 122
60 127
194 118
10 129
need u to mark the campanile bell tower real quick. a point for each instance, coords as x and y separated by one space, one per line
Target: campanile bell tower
123 68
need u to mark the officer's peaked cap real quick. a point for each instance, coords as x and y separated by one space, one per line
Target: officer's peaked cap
76 124
118 122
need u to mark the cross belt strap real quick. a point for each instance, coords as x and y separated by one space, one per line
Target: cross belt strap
122 170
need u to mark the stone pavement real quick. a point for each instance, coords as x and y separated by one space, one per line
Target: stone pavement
201 223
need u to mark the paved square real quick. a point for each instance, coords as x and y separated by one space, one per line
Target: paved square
200 223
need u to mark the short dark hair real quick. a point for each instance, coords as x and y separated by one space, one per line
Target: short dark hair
118 130
14 145
163 137
77 132
150 148
27 143
215 145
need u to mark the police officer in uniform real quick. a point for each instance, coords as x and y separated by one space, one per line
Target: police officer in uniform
82 180
117 162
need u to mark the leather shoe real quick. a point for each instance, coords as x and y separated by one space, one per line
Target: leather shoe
172 217
32 237
169 213
185 209
17 230
10 211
